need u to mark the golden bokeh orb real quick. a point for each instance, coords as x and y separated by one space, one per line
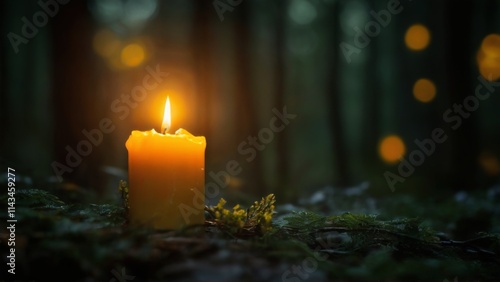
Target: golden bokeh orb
491 45
106 43
392 149
424 90
488 57
417 37
133 55
490 163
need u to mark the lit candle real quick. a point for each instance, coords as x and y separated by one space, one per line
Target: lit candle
166 177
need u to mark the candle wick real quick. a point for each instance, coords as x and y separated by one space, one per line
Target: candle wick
164 131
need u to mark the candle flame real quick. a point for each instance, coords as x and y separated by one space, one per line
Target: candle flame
167 122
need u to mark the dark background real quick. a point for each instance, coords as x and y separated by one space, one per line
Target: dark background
229 66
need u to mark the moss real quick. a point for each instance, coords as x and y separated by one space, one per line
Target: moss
95 239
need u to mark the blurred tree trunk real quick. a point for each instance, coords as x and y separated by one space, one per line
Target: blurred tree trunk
246 123
371 100
460 80
333 90
25 96
279 99
204 69
203 50
75 106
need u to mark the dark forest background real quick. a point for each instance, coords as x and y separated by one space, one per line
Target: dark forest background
230 63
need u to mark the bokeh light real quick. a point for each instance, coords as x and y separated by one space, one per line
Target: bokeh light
424 90
126 16
417 37
302 12
106 43
490 163
488 57
391 149
491 45
133 55
120 54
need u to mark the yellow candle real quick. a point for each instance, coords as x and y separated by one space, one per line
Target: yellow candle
166 177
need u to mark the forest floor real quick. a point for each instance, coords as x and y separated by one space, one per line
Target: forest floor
331 235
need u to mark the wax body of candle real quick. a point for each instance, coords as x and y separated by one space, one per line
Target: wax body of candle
166 174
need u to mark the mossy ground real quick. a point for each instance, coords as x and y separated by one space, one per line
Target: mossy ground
59 241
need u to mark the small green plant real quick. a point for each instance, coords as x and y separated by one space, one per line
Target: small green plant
256 220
